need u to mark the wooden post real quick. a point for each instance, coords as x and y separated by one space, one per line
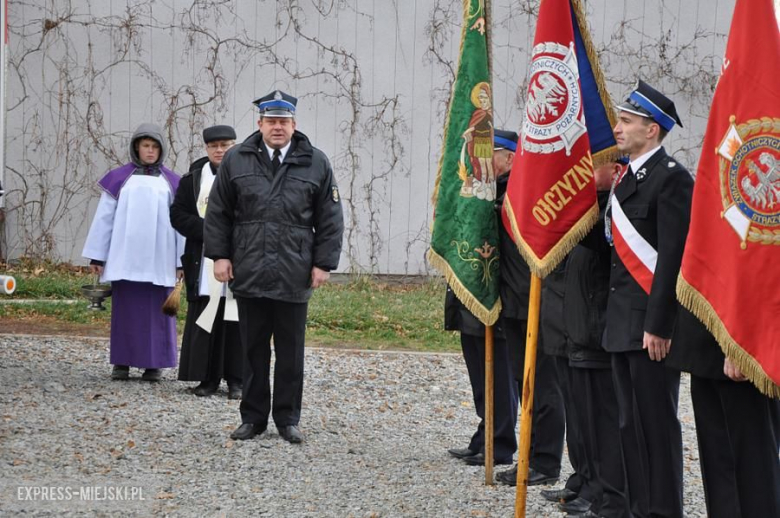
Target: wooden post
527 399
489 405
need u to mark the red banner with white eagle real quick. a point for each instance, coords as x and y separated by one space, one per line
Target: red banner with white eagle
550 202
730 275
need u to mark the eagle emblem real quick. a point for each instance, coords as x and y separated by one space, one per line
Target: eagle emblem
750 180
554 117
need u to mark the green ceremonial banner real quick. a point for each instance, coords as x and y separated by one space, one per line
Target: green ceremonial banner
464 241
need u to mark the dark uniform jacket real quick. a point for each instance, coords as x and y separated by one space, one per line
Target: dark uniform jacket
659 208
694 349
458 318
515 283
585 297
187 222
274 228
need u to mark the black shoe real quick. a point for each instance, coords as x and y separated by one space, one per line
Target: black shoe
291 434
460 453
558 495
508 477
479 460
120 372
152 375
206 388
234 391
246 431
577 506
537 478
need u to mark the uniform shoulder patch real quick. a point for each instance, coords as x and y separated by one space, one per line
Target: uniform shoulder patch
334 193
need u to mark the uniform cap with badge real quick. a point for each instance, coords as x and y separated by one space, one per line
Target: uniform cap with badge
648 102
503 139
276 104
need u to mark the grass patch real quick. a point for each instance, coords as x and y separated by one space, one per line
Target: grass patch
362 314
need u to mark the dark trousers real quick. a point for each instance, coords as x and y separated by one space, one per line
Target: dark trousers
259 320
738 434
596 415
549 423
581 481
650 434
505 400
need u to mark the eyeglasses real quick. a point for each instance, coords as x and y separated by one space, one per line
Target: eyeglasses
220 145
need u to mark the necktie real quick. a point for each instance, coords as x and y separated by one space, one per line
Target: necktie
276 162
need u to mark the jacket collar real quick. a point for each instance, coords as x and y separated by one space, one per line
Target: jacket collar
628 185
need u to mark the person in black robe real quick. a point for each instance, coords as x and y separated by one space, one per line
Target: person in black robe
207 357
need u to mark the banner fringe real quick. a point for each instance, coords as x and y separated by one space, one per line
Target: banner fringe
542 266
483 314
692 299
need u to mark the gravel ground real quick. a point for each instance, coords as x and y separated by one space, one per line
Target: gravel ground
377 426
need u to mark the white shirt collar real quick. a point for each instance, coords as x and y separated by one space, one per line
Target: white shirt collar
283 151
638 162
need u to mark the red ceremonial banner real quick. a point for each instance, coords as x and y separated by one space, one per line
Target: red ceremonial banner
730 275
550 202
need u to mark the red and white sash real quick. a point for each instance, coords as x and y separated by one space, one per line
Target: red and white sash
638 256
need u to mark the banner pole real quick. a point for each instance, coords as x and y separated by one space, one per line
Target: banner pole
527 399
489 405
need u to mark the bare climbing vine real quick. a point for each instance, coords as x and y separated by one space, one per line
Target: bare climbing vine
68 57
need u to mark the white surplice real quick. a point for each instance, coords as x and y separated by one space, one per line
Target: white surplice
133 234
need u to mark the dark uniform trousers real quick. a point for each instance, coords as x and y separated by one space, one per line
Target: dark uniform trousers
738 431
260 319
582 481
647 394
505 398
549 426
596 415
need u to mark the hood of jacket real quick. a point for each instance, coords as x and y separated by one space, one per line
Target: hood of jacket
152 131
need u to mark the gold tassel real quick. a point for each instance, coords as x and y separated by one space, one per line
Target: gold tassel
171 305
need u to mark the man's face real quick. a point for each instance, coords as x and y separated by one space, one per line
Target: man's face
277 131
216 150
634 134
502 161
148 151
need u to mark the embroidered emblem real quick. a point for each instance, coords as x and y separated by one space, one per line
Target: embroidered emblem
750 179
475 166
277 95
334 193
554 118
483 257
641 174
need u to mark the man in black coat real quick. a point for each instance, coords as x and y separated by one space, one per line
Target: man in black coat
598 486
738 428
472 339
548 414
648 224
207 356
274 229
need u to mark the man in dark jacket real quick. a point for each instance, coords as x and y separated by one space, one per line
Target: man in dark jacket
472 340
737 427
212 350
649 216
598 486
274 229
548 417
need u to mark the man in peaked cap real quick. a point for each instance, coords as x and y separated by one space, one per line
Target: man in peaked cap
274 229
207 356
472 338
647 223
